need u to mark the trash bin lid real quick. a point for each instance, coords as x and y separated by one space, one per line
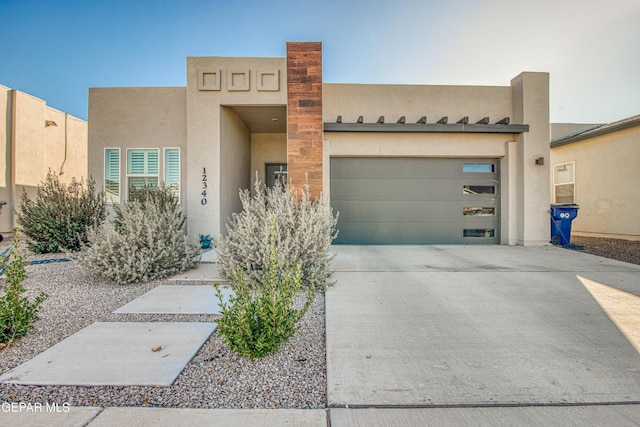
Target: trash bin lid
565 205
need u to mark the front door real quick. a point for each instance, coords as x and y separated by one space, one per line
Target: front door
276 172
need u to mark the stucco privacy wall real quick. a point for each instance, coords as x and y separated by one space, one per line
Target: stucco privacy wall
34 139
214 83
531 106
606 183
235 148
519 174
136 118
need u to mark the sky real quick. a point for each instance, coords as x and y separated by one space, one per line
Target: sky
56 50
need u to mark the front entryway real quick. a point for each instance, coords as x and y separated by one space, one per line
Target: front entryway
416 200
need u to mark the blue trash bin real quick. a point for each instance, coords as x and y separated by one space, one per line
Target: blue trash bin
561 217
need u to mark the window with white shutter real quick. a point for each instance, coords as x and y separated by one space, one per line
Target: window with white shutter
142 168
112 175
172 170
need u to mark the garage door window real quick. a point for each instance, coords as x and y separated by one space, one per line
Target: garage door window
479 232
478 168
478 189
478 211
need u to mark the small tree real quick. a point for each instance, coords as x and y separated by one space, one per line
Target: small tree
59 216
17 313
261 316
304 230
145 241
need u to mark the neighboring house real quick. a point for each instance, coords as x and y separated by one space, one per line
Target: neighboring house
33 139
401 163
596 167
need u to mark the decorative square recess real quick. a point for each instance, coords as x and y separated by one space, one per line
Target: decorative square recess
237 80
209 79
268 80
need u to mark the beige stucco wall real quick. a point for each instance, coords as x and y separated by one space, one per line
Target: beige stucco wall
29 148
524 186
75 164
266 148
6 212
153 117
412 101
209 89
235 155
606 183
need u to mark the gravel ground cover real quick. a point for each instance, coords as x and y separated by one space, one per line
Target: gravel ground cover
618 249
293 377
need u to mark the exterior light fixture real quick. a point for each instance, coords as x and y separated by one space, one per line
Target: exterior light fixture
48 123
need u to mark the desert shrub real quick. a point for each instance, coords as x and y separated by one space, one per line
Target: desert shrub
261 315
304 230
164 197
59 216
17 313
144 242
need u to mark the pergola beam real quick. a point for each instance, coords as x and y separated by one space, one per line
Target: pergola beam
423 127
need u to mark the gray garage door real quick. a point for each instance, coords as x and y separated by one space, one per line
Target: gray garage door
416 200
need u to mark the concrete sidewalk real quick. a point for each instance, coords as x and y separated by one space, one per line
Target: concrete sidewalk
579 416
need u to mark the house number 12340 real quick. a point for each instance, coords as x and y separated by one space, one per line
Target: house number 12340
204 187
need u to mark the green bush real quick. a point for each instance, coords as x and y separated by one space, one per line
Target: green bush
144 242
17 313
59 216
260 316
304 230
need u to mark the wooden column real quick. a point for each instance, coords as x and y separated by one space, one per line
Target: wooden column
304 115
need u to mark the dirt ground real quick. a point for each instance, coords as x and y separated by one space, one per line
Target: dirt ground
618 249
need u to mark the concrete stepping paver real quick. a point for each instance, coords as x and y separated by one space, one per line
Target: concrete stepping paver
118 354
178 299
206 271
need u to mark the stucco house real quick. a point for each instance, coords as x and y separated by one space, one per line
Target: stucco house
35 138
401 163
596 167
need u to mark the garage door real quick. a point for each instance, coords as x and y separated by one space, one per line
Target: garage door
416 200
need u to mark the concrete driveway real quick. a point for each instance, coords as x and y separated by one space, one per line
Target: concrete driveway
473 326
